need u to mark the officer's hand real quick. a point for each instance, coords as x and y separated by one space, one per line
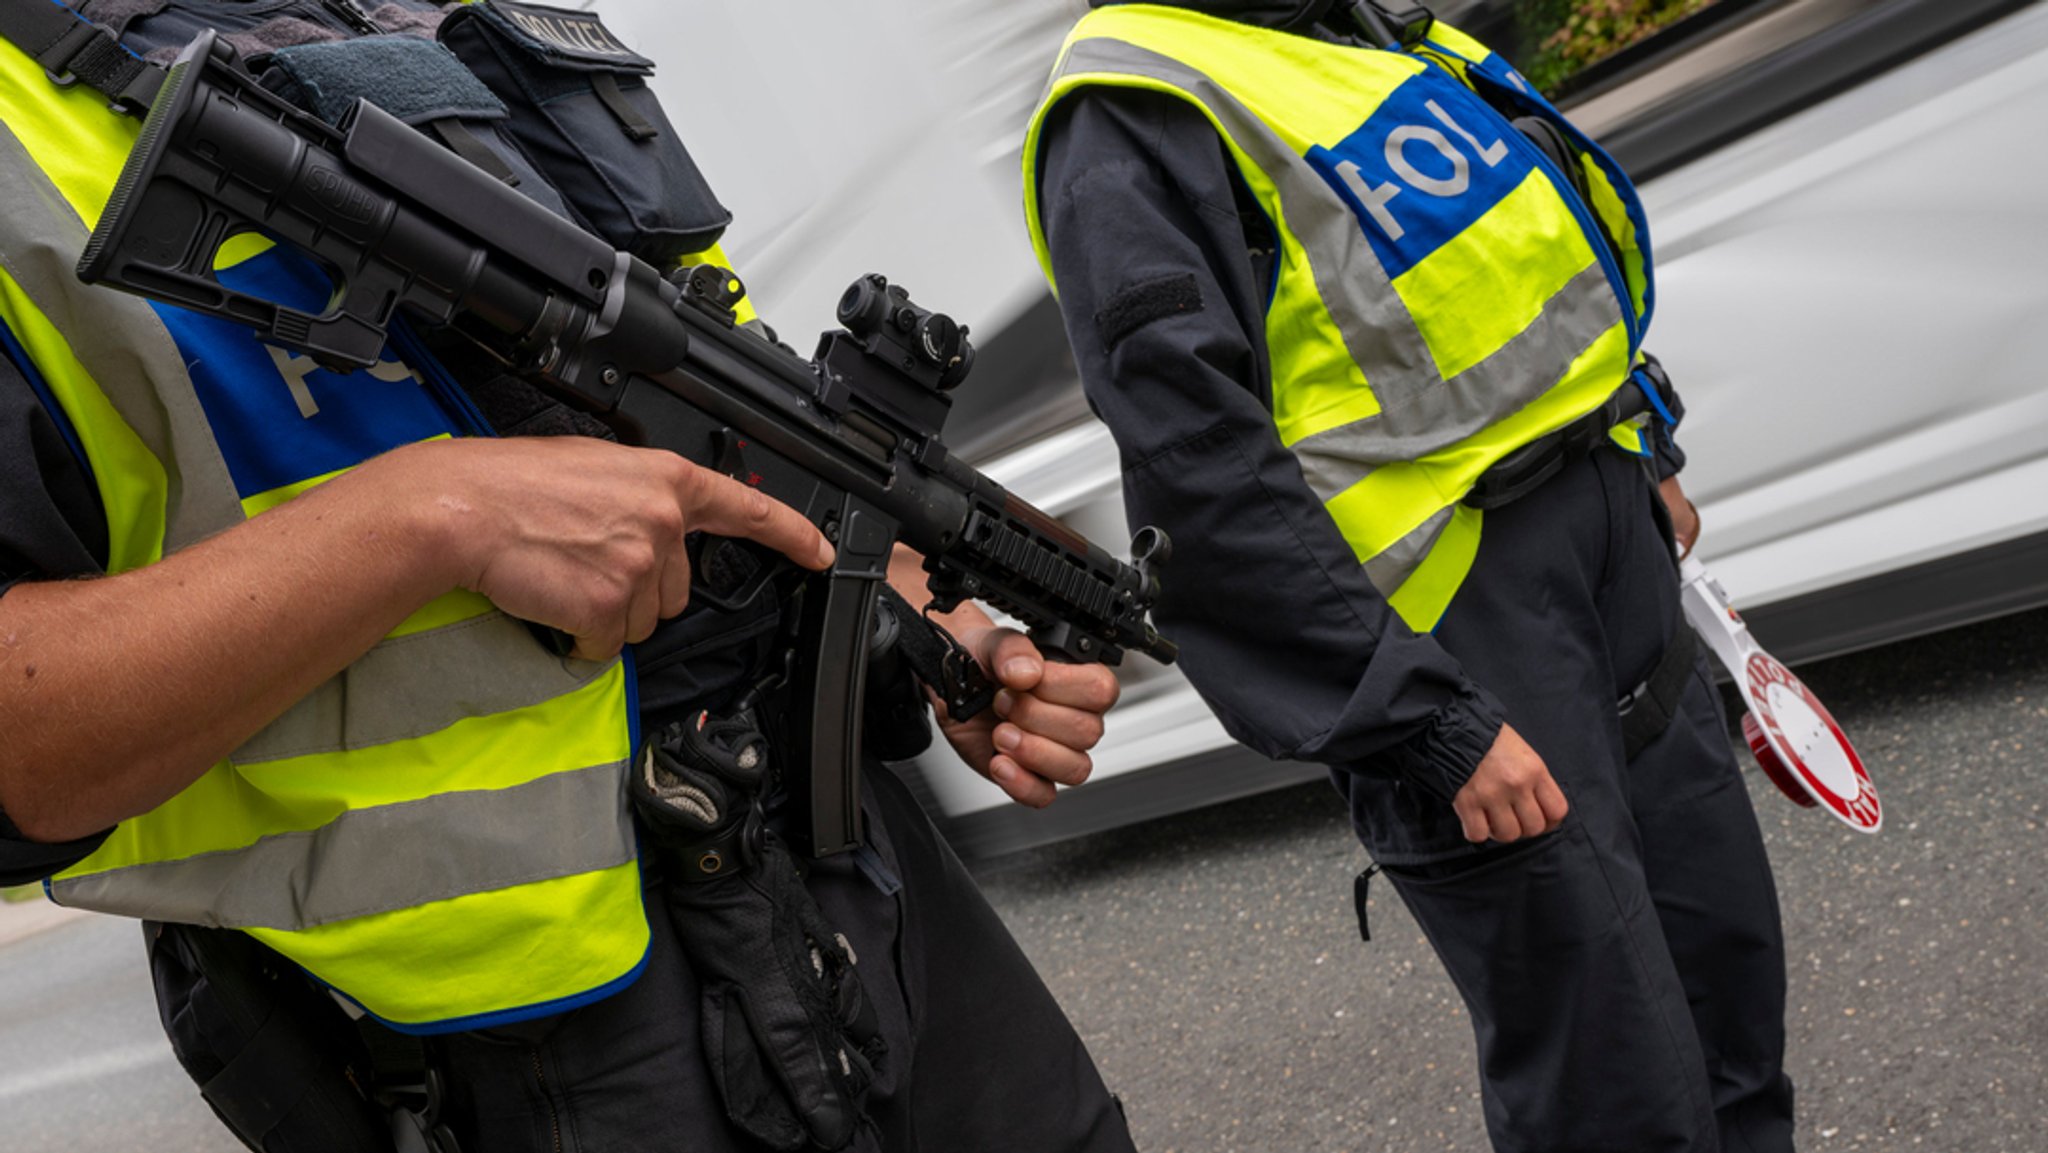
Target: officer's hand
1046 717
1510 795
1685 519
586 536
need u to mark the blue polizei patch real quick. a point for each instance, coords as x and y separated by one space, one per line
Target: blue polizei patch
280 418
1429 163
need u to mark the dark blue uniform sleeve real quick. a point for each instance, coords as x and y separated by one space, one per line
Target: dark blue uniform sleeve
51 525
1162 265
50 518
24 862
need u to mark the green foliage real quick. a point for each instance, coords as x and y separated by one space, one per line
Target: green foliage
21 893
1560 38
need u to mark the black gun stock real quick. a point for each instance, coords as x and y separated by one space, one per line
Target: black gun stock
850 438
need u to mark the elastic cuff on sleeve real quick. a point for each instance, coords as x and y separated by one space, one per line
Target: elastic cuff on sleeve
1444 755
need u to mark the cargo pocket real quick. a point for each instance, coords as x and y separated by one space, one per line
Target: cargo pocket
1504 901
419 82
581 110
1574 1001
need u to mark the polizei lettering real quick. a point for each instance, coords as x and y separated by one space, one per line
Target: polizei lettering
1430 161
1377 198
571 35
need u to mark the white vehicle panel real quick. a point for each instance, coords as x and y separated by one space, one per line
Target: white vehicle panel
857 138
1850 301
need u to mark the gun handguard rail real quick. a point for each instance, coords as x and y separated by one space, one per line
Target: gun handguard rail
850 439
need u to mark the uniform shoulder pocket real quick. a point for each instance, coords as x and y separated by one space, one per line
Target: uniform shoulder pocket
581 110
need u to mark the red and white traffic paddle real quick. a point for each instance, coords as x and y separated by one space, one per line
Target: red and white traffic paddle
1794 737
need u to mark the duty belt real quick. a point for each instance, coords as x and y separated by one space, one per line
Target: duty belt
1524 470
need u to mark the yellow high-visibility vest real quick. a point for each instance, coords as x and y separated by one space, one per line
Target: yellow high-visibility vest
441 832
1443 295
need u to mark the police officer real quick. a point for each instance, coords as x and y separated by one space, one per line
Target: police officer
296 721
1364 315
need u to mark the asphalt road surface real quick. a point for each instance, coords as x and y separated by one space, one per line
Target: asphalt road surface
84 1067
1214 966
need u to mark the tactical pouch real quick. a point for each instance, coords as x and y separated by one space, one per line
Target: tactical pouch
581 110
421 83
276 1058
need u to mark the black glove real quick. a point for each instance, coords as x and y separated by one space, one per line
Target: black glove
789 1033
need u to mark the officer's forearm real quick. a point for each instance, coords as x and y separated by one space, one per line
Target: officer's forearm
117 692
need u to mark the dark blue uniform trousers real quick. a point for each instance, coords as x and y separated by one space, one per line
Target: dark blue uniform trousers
1626 973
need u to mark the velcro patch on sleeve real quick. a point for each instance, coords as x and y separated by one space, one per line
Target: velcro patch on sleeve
1141 304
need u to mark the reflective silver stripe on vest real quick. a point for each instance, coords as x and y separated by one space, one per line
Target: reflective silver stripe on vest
1421 412
421 683
382 859
1517 374
1391 567
1377 330
121 342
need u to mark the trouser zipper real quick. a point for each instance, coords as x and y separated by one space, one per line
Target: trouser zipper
540 1077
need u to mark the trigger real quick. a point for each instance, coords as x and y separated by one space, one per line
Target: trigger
729 573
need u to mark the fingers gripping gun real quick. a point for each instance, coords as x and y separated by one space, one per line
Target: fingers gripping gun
850 439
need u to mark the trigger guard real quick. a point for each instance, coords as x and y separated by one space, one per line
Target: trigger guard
748 590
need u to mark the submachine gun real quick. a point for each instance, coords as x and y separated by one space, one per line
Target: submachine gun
850 438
